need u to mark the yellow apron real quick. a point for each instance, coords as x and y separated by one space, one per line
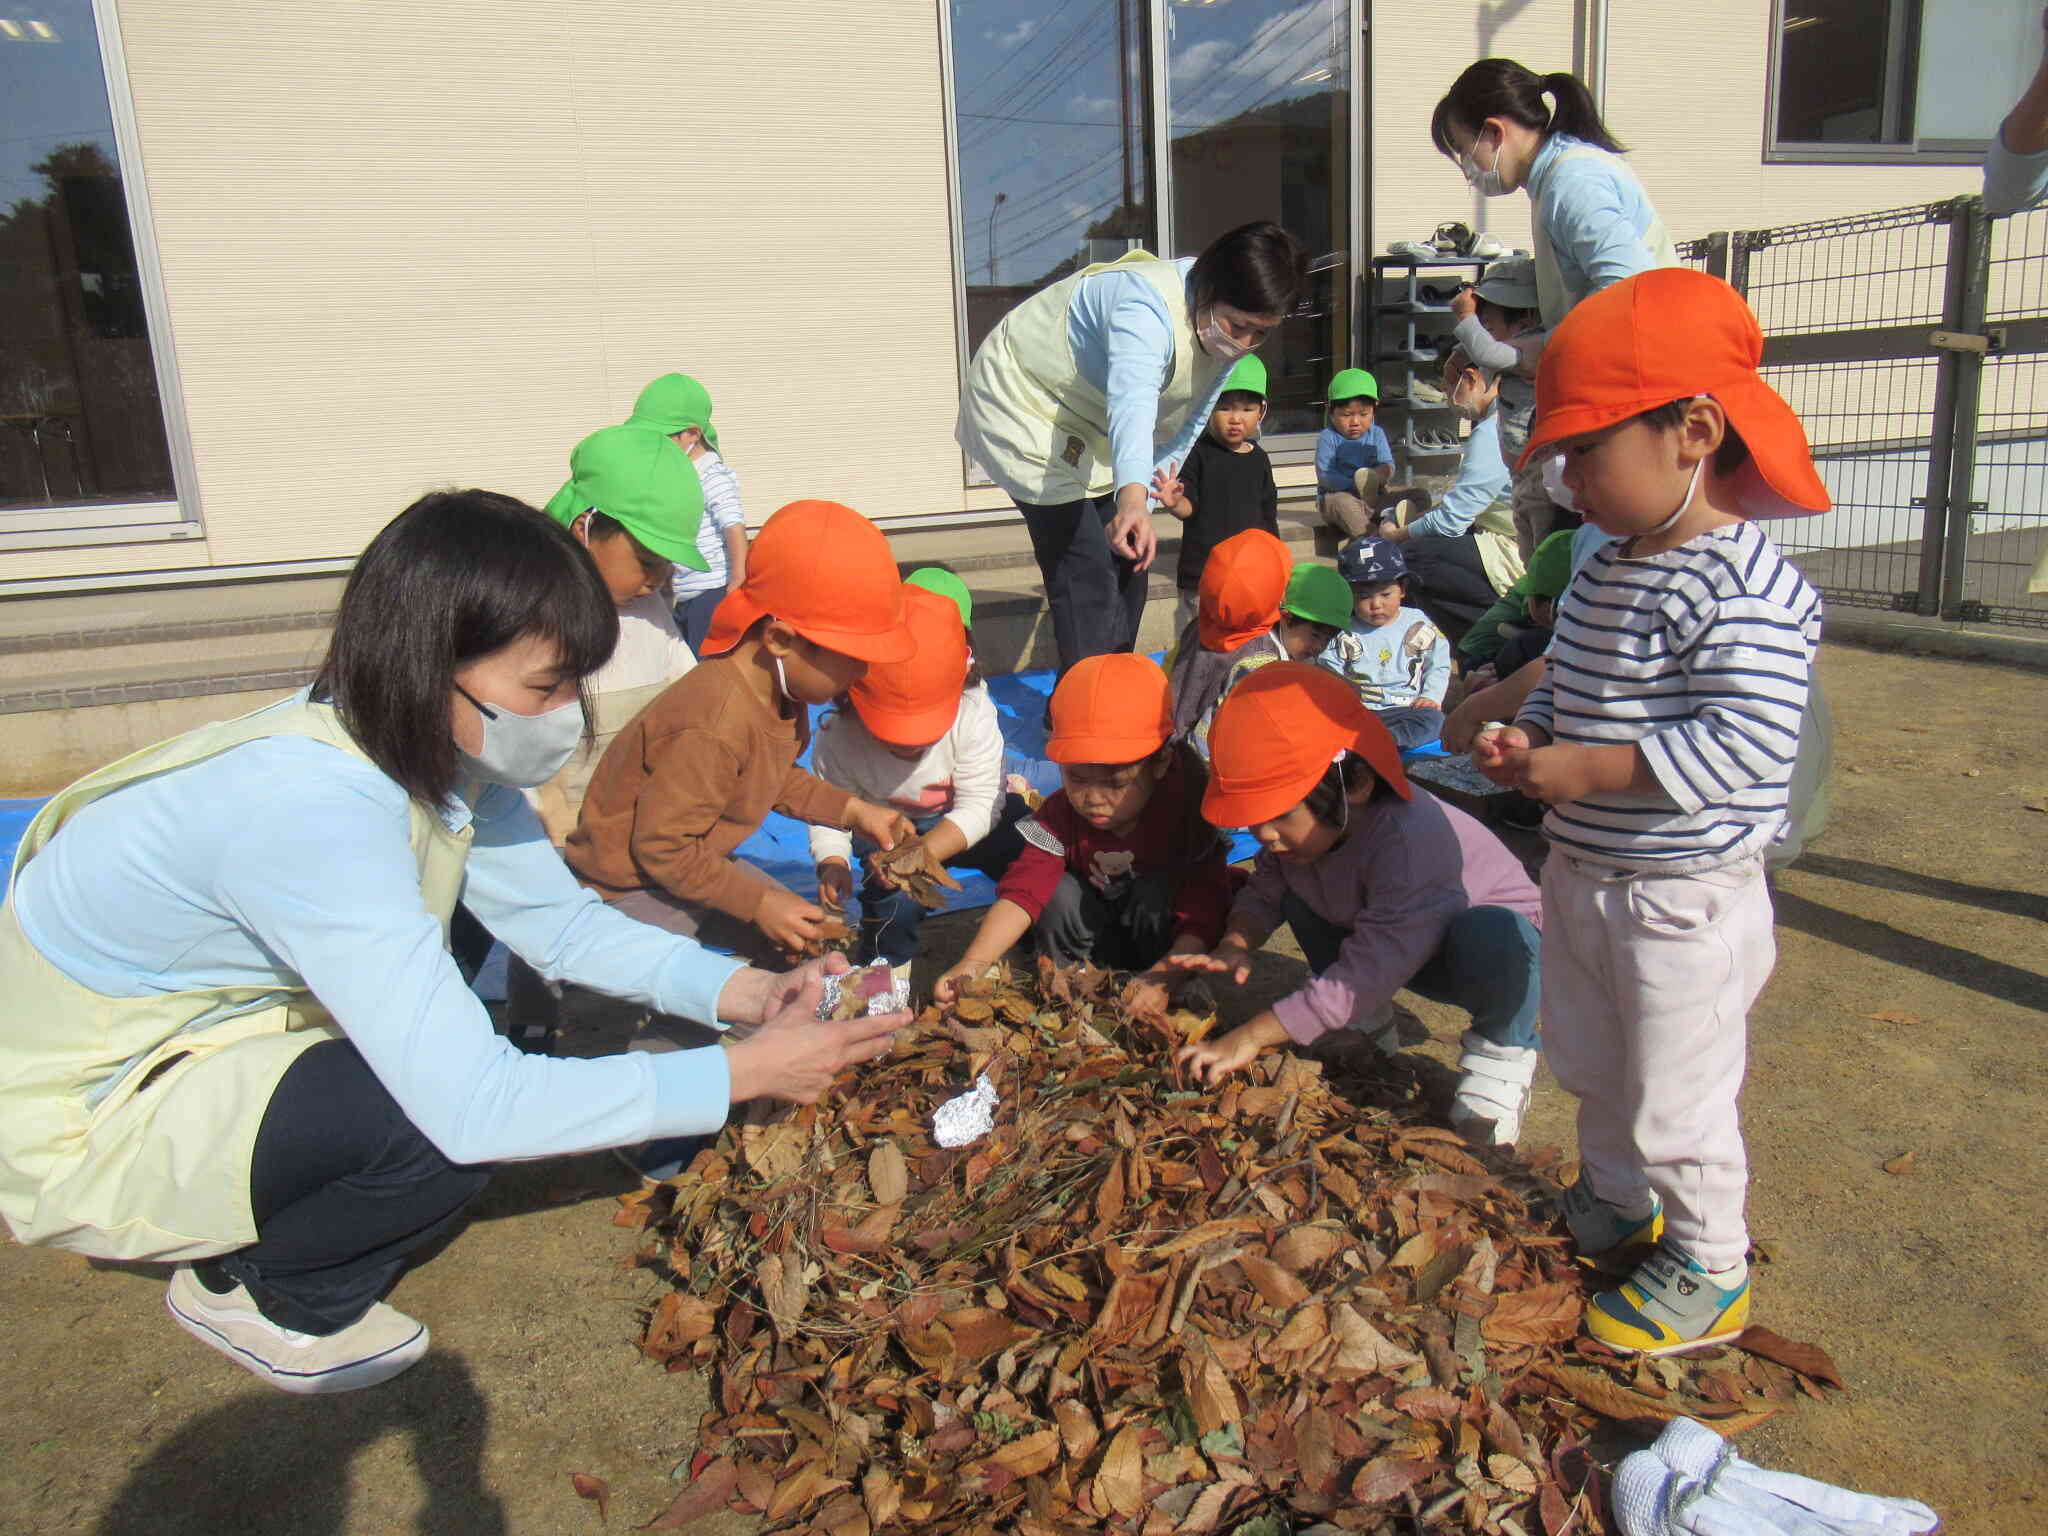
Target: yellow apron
1552 296
1036 424
1493 531
158 1169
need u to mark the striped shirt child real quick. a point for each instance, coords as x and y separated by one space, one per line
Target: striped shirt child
722 510
1700 656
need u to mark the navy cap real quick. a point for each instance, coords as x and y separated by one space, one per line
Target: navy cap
1370 562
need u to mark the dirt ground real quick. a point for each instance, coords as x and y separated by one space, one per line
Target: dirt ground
1909 1013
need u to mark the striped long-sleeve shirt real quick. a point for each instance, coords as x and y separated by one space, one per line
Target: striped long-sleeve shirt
1700 657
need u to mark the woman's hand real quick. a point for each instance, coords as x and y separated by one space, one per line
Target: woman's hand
1465 303
1131 534
835 882
878 824
795 1055
1213 1060
788 920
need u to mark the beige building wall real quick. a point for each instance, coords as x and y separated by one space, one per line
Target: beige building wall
419 245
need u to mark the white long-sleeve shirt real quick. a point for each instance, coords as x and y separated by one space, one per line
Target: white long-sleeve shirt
960 775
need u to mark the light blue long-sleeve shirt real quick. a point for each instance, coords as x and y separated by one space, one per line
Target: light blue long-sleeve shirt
286 862
2012 181
1482 479
1596 215
1123 340
1403 660
1340 458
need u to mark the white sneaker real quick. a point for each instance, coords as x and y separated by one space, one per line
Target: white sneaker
1486 247
375 1347
1493 1091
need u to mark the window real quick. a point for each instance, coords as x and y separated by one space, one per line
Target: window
1897 80
1060 109
85 451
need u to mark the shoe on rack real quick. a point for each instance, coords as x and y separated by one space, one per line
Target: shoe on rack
1493 1090
1438 293
1422 392
1414 250
1670 1304
1487 247
1600 1229
1453 237
375 1347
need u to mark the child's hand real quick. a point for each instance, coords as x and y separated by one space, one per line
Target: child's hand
1214 1060
835 882
788 920
1435 704
947 988
1500 754
1170 493
1464 304
878 824
1233 959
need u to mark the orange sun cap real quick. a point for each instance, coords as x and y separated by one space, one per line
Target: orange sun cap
1244 582
1669 334
912 703
1116 708
1276 735
826 572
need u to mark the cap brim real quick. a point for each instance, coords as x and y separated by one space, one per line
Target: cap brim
1253 804
871 645
904 728
1103 749
1778 451
675 551
1228 639
731 619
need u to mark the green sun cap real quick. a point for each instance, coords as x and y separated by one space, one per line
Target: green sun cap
1354 384
675 402
945 584
642 481
1249 375
1317 593
1550 566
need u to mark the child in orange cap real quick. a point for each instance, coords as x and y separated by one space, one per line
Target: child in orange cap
1235 629
1118 867
697 770
1662 739
1383 888
920 736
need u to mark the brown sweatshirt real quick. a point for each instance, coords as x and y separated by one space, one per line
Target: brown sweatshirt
686 782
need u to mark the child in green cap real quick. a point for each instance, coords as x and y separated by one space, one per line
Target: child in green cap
1224 487
1516 628
1354 460
1316 608
679 407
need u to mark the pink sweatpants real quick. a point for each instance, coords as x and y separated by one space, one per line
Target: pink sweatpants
1647 986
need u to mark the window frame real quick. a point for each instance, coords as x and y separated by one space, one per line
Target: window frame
1778 151
1283 448
137 522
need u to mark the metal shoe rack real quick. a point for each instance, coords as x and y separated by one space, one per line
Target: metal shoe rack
1405 328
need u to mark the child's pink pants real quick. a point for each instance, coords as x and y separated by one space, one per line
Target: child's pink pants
1647 986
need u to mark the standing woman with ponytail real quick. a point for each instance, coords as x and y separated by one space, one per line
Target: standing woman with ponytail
1510 129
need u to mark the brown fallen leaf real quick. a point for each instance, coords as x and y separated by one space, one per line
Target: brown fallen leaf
707 1493
888 1174
1896 1016
1807 1359
595 1489
1120 1484
1903 1163
1386 1478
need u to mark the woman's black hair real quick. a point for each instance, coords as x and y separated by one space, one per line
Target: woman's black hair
455 576
1503 88
1258 268
1511 314
1728 458
1326 801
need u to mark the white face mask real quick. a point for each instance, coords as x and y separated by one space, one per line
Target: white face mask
524 751
1487 182
1553 483
1218 342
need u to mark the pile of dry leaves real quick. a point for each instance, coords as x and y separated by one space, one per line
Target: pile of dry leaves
1140 1305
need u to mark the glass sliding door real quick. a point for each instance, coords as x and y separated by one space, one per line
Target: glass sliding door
1259 106
1052 124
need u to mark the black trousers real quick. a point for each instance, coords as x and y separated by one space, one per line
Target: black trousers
344 1189
1125 932
1097 597
1519 649
1447 580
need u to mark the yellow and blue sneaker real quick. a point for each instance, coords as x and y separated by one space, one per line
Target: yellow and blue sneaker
1604 1233
1669 1305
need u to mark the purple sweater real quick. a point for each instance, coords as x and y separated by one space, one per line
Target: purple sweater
1406 869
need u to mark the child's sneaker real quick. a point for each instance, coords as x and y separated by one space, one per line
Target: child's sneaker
1600 1229
1670 1305
1493 1091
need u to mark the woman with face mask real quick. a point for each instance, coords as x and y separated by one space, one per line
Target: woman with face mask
1509 129
1072 394
235 1040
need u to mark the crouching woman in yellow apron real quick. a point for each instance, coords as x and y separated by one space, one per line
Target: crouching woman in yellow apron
233 1038
1086 389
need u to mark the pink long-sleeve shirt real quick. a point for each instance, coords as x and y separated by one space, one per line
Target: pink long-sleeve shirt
1404 871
